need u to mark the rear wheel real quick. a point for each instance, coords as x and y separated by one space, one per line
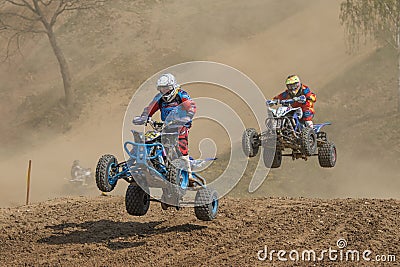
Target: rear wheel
137 201
308 141
250 142
206 204
105 171
327 155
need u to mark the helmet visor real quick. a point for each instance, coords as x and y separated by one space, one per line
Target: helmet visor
293 86
164 89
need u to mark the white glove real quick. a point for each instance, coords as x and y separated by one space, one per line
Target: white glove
301 99
139 120
272 102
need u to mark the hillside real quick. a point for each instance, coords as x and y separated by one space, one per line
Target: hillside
112 52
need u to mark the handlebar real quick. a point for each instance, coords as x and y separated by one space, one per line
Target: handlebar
272 102
160 126
286 102
156 125
277 102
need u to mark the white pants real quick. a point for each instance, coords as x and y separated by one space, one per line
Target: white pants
188 168
309 124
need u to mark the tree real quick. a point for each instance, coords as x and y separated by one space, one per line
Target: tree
377 20
21 17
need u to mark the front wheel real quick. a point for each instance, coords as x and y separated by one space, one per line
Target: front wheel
206 204
276 162
137 201
105 171
178 178
308 141
250 142
327 155
177 173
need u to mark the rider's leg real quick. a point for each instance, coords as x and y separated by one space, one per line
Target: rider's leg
308 115
184 148
184 155
85 182
188 168
309 124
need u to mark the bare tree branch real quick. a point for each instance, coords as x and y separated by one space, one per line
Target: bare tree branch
46 3
29 6
388 9
15 3
20 17
379 19
369 19
9 44
58 11
391 44
41 15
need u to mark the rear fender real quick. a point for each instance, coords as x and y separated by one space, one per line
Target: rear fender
318 127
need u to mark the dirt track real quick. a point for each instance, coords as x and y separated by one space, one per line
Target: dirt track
98 232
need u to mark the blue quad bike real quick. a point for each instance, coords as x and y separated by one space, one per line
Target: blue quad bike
289 133
154 162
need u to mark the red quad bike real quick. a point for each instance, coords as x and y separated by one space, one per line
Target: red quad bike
290 133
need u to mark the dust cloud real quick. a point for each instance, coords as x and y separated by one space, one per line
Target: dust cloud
266 40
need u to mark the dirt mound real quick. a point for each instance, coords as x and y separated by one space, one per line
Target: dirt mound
99 232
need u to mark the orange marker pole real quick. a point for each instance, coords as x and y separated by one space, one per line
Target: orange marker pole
28 182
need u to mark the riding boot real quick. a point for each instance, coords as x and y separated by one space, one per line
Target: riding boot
188 166
309 124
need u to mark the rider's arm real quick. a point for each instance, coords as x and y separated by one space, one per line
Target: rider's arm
187 103
309 95
282 96
152 107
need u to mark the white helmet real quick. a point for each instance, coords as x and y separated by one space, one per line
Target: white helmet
167 86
